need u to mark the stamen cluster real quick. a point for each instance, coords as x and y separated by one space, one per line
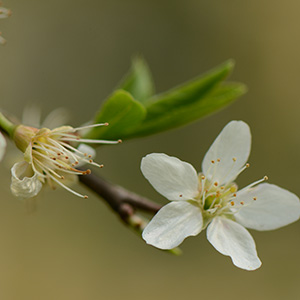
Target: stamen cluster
52 154
217 199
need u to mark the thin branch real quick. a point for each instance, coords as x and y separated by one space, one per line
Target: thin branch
119 199
124 203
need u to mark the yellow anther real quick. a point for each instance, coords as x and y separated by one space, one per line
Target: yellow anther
212 161
232 203
218 160
234 158
202 177
247 165
215 184
266 177
233 189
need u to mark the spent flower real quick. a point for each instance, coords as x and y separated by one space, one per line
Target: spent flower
51 156
211 199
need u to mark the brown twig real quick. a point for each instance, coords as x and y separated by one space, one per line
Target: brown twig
119 199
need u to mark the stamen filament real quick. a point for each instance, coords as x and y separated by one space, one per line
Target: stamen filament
90 141
90 126
67 188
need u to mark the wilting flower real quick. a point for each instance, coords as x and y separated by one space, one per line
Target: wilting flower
2 146
50 156
4 13
211 199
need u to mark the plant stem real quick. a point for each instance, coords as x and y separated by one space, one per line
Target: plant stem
7 126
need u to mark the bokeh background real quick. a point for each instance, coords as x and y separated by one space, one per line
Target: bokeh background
72 54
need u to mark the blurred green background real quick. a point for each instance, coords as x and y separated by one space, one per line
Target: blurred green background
73 53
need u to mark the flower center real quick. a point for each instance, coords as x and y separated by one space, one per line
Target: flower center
215 199
221 199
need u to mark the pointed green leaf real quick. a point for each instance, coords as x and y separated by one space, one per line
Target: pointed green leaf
187 93
138 82
123 114
178 116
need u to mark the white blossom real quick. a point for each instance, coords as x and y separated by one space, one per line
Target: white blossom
211 199
2 146
4 13
51 156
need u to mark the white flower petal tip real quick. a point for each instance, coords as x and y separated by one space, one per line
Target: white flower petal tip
21 185
4 13
232 239
2 146
171 177
172 224
230 152
274 207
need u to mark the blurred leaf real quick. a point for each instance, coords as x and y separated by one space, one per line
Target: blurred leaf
178 116
188 92
122 112
138 82
193 100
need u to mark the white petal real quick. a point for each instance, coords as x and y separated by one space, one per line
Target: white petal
232 239
2 146
232 147
171 177
56 118
22 186
274 207
172 224
31 116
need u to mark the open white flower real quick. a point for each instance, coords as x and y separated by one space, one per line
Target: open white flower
211 199
2 146
50 156
4 13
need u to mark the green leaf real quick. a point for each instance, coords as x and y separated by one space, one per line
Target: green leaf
178 116
138 82
123 114
188 92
